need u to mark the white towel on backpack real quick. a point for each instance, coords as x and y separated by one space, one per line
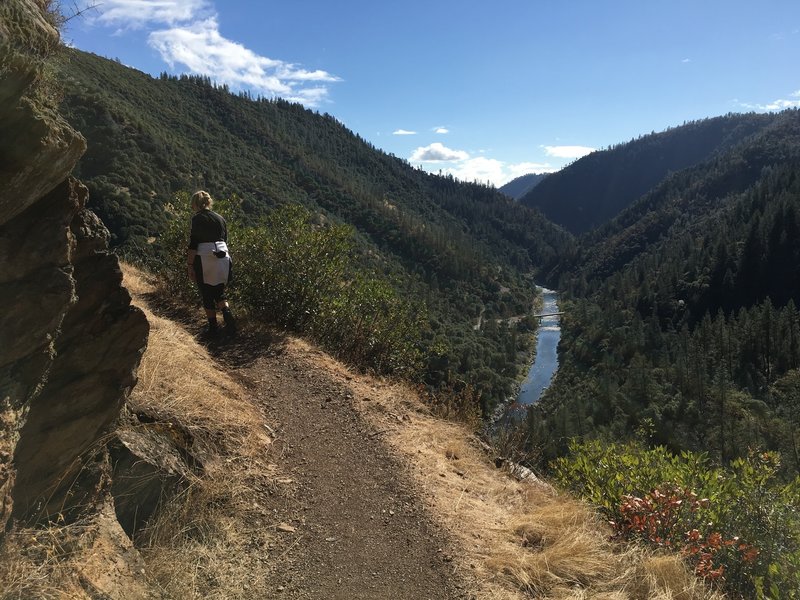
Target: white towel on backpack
215 270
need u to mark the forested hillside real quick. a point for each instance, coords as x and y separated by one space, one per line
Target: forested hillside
463 249
682 321
597 187
517 188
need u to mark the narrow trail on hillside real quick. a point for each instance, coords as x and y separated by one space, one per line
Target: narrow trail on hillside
356 528
349 522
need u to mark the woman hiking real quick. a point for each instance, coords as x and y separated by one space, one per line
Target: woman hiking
209 262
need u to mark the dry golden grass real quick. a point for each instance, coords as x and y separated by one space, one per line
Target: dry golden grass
87 559
208 542
31 564
516 539
178 378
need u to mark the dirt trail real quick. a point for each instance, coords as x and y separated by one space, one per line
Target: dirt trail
349 521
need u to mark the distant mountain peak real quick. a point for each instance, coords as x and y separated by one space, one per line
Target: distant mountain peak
517 188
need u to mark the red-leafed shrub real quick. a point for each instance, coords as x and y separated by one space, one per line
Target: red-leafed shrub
660 518
737 526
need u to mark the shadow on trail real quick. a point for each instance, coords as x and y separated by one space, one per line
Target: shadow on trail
252 340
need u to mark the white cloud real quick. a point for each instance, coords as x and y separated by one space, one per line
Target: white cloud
524 168
193 43
437 152
308 96
480 169
781 104
568 151
686 60
404 132
135 13
441 130
200 48
496 172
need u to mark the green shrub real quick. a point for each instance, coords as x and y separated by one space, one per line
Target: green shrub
301 275
738 526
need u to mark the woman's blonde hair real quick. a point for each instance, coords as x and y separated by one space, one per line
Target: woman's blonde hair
202 199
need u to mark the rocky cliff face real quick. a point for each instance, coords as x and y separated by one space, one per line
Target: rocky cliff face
70 342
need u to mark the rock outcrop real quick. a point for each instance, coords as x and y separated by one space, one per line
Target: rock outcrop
70 341
152 460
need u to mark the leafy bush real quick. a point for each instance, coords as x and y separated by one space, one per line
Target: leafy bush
292 271
739 527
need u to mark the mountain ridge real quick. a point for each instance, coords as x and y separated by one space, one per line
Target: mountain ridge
517 188
596 188
682 311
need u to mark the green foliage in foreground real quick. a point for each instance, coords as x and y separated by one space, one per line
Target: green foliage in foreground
738 526
301 275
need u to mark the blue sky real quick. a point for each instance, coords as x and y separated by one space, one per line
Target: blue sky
484 90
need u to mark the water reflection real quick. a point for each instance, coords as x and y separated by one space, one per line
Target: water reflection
545 364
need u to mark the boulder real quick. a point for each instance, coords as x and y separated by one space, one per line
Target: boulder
94 358
106 563
152 461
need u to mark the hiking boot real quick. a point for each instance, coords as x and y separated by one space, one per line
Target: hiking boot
209 332
230 322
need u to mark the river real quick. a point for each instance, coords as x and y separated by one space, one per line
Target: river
545 364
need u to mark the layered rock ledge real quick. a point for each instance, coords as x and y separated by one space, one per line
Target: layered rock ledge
70 341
